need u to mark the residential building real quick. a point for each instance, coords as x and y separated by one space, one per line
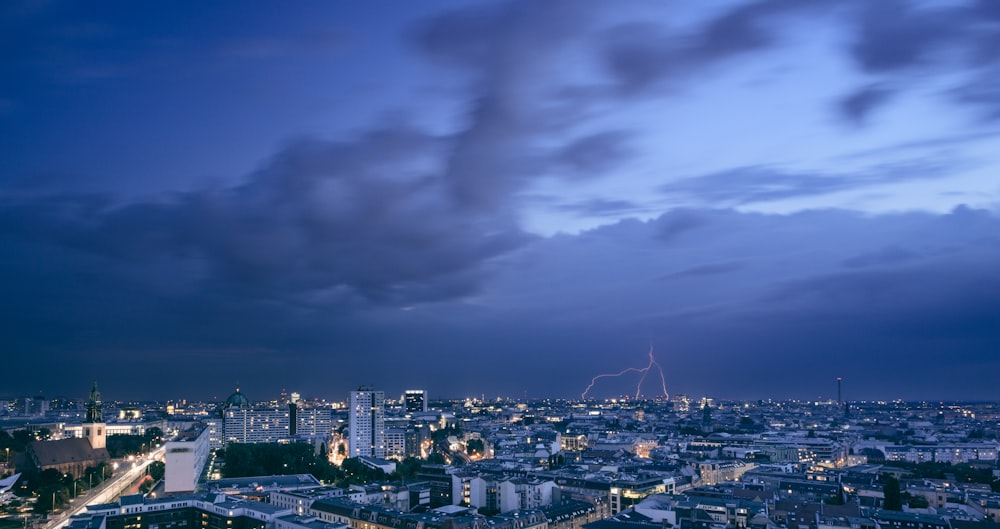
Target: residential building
367 423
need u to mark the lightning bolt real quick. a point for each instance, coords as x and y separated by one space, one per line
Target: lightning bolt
618 374
643 370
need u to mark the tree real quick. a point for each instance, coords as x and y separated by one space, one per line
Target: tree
407 469
122 445
891 491
475 446
156 470
442 434
153 435
265 459
21 438
356 472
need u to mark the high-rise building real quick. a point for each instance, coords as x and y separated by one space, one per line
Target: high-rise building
367 423
414 400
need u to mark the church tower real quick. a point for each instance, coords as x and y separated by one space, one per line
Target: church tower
94 429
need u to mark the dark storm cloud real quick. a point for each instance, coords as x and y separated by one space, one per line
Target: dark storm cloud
901 43
983 91
782 300
889 255
362 218
909 42
493 38
706 270
600 207
641 56
895 35
396 247
857 107
916 312
288 261
772 297
505 49
746 185
679 222
594 154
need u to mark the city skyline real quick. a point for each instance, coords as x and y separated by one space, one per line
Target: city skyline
832 395
502 198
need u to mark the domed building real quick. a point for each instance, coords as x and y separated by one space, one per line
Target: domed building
236 400
238 420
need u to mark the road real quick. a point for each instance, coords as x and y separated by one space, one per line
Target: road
456 457
109 490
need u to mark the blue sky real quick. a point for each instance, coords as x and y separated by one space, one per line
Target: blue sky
501 198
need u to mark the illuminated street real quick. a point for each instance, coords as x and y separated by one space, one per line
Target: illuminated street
109 490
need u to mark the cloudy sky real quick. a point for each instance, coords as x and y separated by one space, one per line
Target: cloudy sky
501 198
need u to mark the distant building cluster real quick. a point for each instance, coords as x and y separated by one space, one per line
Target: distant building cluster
238 420
678 463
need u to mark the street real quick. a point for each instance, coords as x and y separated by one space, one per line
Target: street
109 490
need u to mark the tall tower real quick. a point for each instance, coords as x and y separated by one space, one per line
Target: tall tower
367 423
839 380
94 429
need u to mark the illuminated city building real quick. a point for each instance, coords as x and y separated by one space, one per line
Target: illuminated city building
414 401
239 421
367 423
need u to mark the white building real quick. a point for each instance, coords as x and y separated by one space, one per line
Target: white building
186 456
395 443
504 495
255 424
367 423
300 501
112 428
313 422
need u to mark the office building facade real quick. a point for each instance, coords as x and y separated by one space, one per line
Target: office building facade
414 400
367 423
